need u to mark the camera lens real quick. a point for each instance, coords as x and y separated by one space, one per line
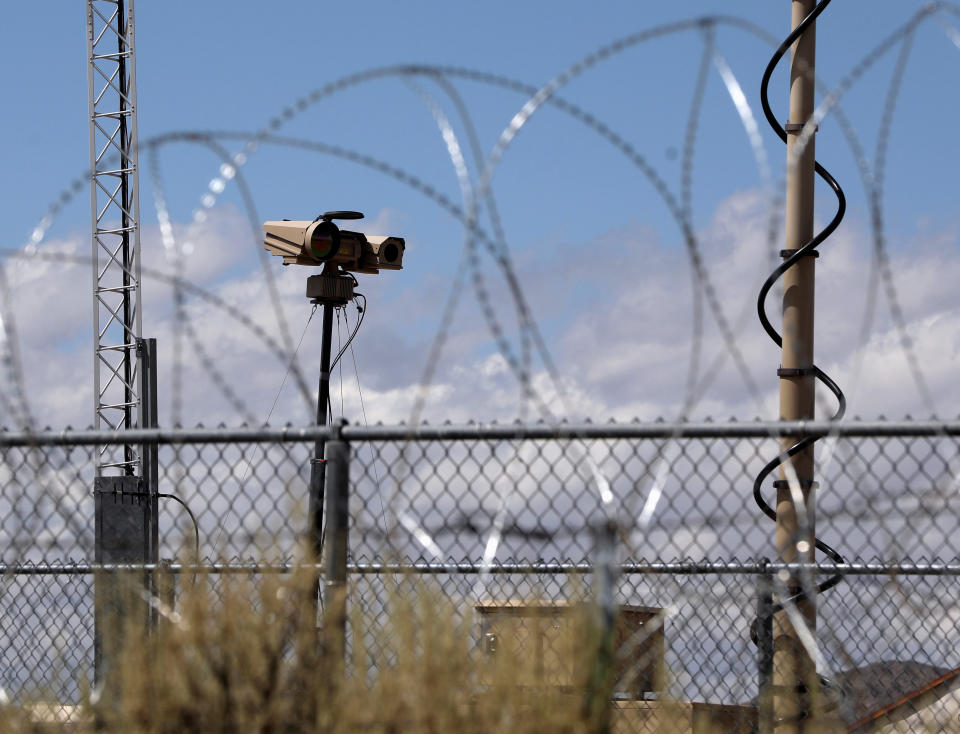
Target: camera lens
324 241
390 253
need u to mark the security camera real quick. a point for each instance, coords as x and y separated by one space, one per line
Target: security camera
388 250
319 242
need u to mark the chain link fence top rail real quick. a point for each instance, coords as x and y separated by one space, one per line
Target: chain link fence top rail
888 491
436 495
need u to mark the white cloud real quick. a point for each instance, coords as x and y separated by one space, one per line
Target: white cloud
635 350
619 331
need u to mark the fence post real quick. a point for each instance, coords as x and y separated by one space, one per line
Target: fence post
337 535
604 619
150 464
764 633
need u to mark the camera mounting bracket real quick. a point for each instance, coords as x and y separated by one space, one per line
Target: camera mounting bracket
332 286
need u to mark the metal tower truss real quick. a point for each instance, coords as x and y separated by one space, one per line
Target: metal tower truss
115 214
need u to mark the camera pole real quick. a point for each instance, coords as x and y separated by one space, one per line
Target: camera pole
317 474
342 252
330 289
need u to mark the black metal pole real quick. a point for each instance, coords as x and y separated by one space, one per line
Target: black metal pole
125 231
765 717
149 457
317 473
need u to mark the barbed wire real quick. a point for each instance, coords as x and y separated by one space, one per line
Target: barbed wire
477 194
495 243
703 286
304 102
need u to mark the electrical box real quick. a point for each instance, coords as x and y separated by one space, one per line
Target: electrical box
121 520
122 536
546 635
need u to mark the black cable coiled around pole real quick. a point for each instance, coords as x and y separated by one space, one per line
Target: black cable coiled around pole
806 250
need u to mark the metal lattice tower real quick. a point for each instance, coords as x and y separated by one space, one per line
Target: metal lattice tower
115 213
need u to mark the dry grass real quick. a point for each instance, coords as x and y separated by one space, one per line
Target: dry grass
245 654
251 658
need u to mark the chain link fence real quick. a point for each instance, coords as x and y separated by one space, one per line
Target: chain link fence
501 515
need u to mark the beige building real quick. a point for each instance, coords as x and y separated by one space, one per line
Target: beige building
888 696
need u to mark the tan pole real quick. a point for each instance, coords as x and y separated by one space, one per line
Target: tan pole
792 667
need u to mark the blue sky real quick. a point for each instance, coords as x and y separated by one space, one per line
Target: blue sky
232 65
563 192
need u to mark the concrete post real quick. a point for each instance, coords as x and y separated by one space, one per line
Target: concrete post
793 670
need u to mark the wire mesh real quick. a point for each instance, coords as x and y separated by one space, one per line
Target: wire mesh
427 508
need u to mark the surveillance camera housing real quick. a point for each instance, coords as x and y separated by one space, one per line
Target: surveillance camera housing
389 251
313 243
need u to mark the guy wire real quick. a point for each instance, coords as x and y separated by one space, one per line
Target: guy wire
276 399
363 412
